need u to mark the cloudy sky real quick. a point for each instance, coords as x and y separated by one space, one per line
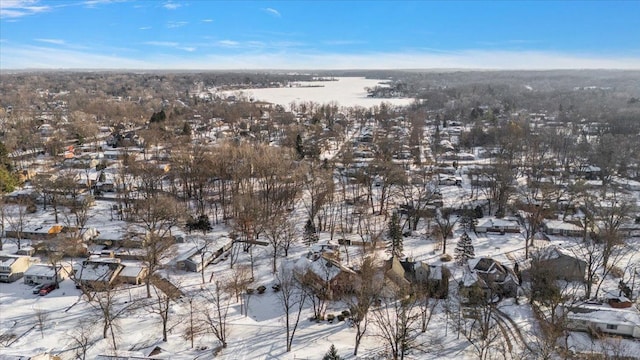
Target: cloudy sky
200 34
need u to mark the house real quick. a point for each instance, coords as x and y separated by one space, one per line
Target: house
395 279
45 274
12 267
604 318
434 278
326 275
133 274
506 225
562 228
198 257
492 277
560 263
98 273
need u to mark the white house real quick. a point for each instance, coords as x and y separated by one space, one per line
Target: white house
44 274
505 225
603 318
563 228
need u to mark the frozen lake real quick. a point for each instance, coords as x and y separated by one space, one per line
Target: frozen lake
347 91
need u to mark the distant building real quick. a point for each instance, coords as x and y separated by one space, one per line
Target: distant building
13 267
562 228
604 319
498 225
45 274
559 263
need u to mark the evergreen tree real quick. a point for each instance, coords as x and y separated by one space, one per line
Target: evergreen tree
395 235
299 147
332 354
310 235
186 129
464 249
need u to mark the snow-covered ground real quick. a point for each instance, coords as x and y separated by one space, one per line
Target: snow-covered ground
346 91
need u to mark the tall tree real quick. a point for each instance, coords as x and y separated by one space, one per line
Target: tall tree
464 249
394 234
292 299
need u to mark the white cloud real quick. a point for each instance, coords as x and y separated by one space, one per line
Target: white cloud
228 43
273 12
145 28
162 43
207 20
176 24
171 5
19 8
20 57
52 41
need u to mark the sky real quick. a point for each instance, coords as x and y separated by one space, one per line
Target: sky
202 34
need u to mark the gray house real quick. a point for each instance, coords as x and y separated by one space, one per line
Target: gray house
560 263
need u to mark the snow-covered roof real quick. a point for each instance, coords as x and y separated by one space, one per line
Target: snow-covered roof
324 268
495 222
561 225
604 314
132 270
7 260
40 270
97 270
553 252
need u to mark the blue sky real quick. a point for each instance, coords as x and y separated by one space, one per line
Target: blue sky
201 34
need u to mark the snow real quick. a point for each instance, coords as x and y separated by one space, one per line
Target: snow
346 91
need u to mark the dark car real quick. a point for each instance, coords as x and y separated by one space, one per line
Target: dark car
47 289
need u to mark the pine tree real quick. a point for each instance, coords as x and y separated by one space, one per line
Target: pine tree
332 354
395 235
464 249
310 235
299 147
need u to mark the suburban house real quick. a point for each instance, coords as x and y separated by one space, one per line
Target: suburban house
98 273
133 274
395 279
491 276
506 225
13 267
562 228
45 274
198 257
605 319
560 263
325 274
434 278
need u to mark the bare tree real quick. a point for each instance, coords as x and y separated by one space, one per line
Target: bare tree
292 299
364 297
18 221
280 233
156 216
161 305
397 322
41 320
480 323
215 317
81 337
102 297
195 326
445 226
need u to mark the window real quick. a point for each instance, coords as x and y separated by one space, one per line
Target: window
612 327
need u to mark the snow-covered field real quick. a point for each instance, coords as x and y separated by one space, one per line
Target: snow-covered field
346 91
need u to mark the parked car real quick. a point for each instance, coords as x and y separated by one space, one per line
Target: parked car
47 289
37 288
